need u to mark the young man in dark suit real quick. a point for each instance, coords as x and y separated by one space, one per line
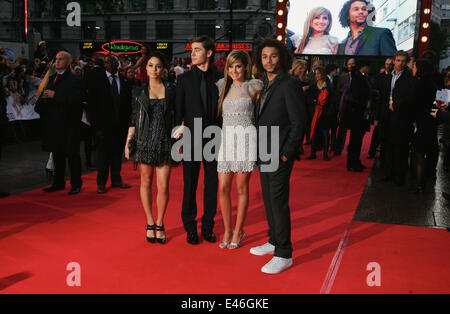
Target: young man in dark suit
196 101
281 107
109 110
60 109
398 124
363 40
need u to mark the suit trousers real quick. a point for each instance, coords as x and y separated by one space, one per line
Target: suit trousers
109 158
59 160
354 146
397 158
275 190
191 171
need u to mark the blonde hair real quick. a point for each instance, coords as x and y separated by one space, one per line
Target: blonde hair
233 57
307 29
296 64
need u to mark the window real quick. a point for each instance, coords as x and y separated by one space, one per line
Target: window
206 27
406 28
165 5
238 4
138 30
265 4
238 29
138 5
88 30
55 30
164 29
112 30
207 4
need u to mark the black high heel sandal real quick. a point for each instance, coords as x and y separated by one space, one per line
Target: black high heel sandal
151 239
161 240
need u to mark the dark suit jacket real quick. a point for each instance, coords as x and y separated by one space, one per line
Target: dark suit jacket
61 115
101 107
374 41
189 102
284 107
400 122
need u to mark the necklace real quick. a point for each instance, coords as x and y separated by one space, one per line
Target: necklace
237 86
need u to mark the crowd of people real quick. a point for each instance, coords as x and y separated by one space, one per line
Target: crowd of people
139 107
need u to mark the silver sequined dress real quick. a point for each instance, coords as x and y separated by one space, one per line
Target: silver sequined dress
238 149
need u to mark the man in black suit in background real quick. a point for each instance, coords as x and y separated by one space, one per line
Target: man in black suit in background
109 109
381 79
196 98
343 81
281 106
60 109
398 124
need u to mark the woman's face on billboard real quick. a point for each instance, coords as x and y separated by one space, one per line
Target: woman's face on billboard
320 23
358 12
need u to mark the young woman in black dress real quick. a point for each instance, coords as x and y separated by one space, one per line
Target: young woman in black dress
150 138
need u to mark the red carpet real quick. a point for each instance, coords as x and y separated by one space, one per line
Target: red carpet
41 233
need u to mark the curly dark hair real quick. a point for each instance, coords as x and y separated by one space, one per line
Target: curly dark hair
285 54
344 15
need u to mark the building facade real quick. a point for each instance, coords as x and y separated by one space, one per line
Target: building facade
161 24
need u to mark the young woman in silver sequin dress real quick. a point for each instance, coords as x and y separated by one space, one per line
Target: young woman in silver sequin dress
238 149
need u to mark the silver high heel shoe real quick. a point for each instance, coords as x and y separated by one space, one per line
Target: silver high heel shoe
234 245
223 244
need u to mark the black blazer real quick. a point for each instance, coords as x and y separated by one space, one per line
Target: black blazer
284 107
400 122
61 115
188 99
374 41
101 108
140 117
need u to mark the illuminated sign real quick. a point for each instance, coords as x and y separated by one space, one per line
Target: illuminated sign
122 47
162 45
88 46
226 46
26 18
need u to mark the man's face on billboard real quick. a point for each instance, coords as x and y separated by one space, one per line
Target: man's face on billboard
358 13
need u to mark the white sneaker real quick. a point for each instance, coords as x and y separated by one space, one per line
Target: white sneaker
264 249
277 265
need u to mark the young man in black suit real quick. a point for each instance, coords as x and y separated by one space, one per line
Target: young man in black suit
109 110
281 107
196 101
398 124
60 109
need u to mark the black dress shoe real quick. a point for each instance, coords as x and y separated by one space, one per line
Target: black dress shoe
101 189
121 185
53 188
4 194
209 236
74 191
192 237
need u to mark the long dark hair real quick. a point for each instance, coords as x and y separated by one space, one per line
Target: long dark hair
424 69
285 55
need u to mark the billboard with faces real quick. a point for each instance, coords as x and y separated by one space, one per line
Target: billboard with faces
351 27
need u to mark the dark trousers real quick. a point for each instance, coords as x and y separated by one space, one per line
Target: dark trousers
86 137
340 140
397 158
59 159
191 171
109 157
354 146
275 190
375 142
